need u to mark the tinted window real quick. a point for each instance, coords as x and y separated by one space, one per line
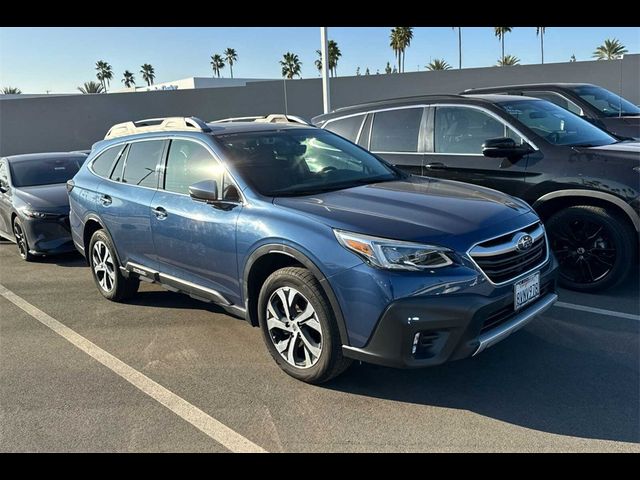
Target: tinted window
102 165
44 171
116 174
142 161
346 127
463 130
396 130
558 100
304 161
608 103
363 141
555 124
189 163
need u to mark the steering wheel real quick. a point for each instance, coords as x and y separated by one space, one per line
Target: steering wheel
328 169
553 137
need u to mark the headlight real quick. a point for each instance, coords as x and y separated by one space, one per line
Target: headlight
33 214
394 254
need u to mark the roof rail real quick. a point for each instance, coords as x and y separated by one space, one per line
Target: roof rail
157 125
271 118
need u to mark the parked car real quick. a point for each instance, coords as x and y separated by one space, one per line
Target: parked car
334 253
592 102
583 182
34 206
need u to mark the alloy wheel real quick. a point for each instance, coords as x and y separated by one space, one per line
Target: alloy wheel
20 240
294 327
103 266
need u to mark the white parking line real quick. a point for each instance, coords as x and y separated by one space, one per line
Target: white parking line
600 311
219 432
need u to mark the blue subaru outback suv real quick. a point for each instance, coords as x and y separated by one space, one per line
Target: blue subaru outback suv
334 253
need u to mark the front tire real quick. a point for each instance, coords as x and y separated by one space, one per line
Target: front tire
21 241
595 247
105 269
299 326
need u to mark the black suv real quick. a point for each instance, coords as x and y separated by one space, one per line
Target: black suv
582 181
592 102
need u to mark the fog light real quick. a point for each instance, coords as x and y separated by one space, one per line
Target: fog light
415 343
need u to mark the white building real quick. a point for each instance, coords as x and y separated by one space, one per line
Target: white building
195 82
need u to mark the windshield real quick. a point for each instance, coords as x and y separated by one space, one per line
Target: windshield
31 173
606 102
555 124
305 161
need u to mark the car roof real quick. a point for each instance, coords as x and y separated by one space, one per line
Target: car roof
241 127
43 156
526 86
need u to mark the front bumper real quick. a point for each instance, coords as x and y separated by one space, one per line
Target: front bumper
48 236
450 327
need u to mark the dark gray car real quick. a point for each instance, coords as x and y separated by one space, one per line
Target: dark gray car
34 205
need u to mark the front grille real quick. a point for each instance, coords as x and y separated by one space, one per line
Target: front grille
501 261
504 314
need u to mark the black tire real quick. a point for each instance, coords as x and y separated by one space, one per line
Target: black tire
21 241
118 288
330 362
595 247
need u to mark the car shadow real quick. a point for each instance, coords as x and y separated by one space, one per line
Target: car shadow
528 380
71 259
162 298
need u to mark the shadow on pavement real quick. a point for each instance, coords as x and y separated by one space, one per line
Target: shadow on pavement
527 380
72 259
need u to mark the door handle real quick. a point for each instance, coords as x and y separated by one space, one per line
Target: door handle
435 166
160 213
105 200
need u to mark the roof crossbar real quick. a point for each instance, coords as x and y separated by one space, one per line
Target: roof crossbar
271 118
157 125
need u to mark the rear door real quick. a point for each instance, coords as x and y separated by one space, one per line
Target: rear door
456 135
397 135
125 201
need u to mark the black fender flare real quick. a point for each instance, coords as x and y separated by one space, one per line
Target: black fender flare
281 249
95 218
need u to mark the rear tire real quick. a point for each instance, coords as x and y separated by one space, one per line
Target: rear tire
595 247
21 241
105 269
303 336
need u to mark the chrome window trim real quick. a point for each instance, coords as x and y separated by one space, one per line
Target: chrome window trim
364 119
520 276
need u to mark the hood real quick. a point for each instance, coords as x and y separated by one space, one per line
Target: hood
624 147
417 209
624 126
50 198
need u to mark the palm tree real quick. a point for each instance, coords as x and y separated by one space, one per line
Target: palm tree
91 87
572 58
11 91
500 32
508 61
334 56
105 73
366 72
217 63
291 65
540 31
128 79
459 46
399 41
388 69
438 64
148 74
611 49
231 57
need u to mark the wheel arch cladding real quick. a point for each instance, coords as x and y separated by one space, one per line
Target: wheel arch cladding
267 259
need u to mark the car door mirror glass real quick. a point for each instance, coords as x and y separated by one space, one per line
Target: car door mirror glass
204 191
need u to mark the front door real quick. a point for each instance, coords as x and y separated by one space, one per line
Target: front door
457 136
196 241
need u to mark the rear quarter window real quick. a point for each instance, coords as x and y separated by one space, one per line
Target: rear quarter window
346 127
101 166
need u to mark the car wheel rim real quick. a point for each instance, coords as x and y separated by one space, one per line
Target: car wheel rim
20 240
585 250
294 328
103 266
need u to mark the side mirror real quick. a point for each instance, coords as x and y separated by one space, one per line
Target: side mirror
204 191
504 147
4 188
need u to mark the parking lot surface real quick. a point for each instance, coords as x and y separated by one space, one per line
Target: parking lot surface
569 381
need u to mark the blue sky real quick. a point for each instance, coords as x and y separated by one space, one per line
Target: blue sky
59 59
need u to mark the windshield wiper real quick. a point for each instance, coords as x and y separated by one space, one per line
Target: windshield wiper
330 188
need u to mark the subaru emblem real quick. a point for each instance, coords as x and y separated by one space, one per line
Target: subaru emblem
523 241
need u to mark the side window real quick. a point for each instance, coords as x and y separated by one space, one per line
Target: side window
141 166
396 130
188 163
558 100
116 174
463 130
363 141
102 164
346 127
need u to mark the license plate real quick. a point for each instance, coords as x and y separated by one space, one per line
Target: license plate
526 291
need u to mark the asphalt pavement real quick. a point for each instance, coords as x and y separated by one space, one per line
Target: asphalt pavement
568 382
